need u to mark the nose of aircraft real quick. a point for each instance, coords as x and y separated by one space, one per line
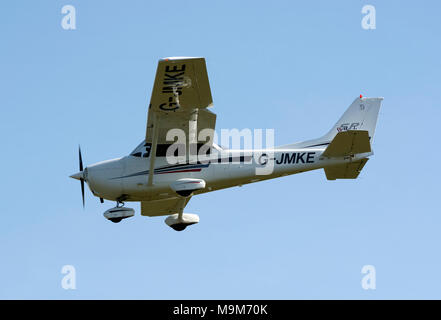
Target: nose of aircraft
78 175
100 178
82 176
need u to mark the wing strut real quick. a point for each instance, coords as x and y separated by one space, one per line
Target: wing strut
154 146
192 137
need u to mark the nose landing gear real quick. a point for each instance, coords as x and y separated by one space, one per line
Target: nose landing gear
119 212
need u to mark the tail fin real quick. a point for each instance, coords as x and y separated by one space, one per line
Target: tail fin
352 134
362 114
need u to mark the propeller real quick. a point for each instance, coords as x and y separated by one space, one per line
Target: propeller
81 169
80 175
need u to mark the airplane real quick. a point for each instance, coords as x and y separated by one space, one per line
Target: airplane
173 163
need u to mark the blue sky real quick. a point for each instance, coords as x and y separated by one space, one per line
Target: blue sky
289 66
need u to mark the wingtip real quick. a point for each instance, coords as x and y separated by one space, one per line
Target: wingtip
179 58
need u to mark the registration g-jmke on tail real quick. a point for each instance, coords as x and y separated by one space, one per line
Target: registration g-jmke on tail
163 173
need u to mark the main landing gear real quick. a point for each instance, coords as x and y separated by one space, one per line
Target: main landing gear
184 188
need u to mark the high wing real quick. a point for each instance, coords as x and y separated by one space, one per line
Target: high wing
180 98
181 94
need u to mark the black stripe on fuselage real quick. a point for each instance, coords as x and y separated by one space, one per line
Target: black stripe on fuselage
318 145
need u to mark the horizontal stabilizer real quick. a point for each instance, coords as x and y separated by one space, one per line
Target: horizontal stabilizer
348 143
349 170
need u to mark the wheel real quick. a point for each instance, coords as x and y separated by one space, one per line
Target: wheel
115 220
184 193
179 226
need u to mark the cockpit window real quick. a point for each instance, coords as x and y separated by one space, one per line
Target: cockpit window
144 149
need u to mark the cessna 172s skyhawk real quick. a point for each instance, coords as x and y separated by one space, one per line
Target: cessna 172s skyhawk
164 173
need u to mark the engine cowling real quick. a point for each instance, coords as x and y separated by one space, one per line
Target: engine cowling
185 187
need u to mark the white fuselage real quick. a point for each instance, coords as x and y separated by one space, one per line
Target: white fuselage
126 178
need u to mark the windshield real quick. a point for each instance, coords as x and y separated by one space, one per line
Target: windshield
142 150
